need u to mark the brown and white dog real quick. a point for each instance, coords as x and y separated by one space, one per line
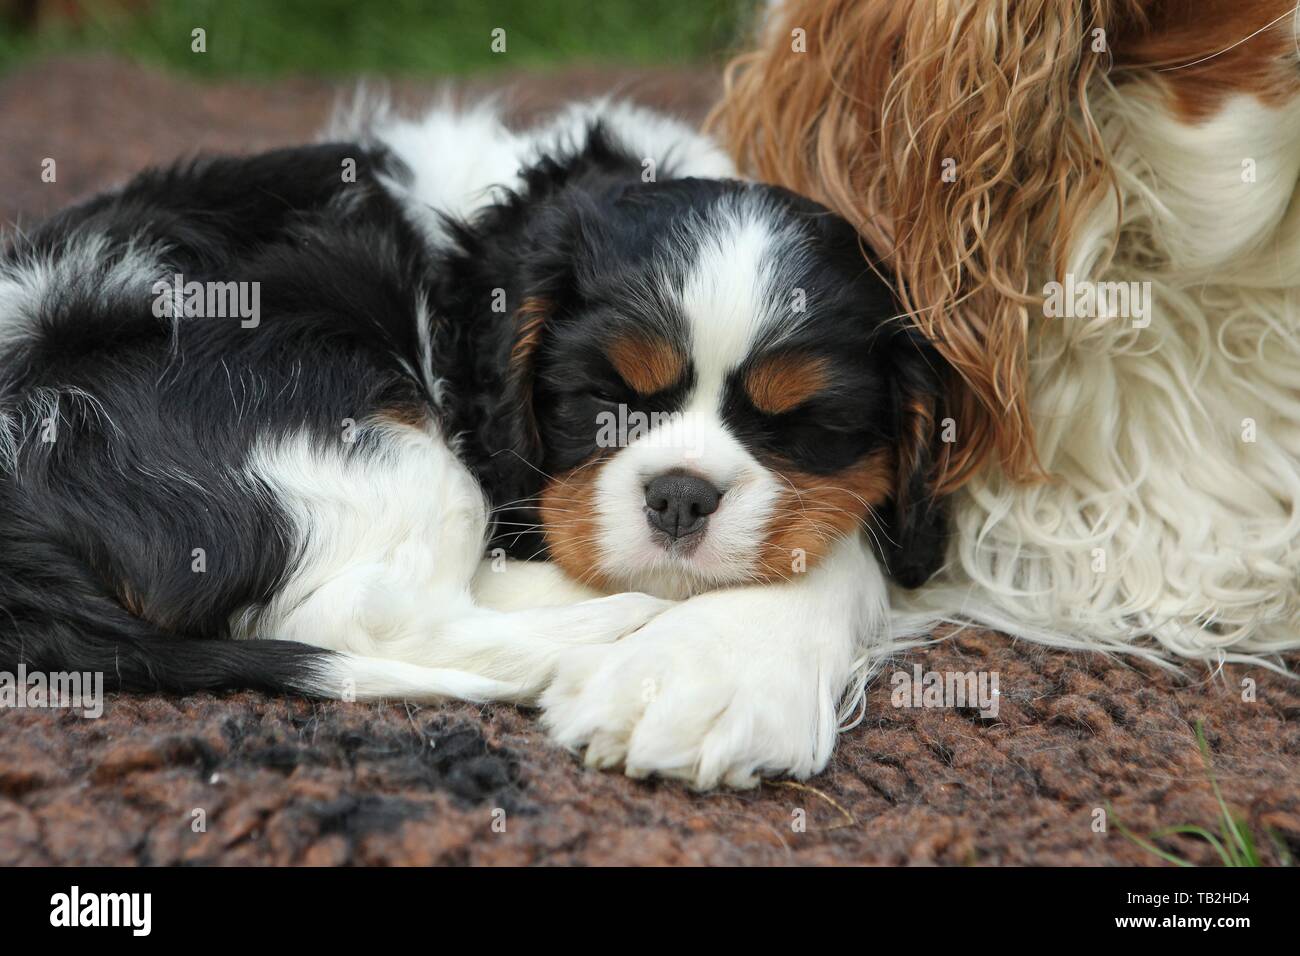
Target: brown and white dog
1091 209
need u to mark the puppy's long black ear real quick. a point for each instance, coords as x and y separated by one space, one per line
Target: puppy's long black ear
533 262
918 525
545 258
530 325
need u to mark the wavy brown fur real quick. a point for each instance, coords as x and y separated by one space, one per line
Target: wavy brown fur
863 121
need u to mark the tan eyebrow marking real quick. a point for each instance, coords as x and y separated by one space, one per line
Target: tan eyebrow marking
648 365
782 382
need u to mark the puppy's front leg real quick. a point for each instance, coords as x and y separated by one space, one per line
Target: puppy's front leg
727 686
504 584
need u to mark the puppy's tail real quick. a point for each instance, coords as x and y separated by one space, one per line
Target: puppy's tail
352 677
131 659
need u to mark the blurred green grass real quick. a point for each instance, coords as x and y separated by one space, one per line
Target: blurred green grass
270 38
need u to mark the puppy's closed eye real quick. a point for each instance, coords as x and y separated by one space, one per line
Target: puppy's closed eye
648 365
781 383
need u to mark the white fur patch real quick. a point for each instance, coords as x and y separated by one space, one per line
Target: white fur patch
462 158
701 444
668 143
730 684
738 293
387 539
375 524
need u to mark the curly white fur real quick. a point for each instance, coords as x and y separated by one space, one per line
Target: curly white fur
1175 513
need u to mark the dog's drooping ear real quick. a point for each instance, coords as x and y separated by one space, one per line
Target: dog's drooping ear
546 289
917 520
531 273
530 321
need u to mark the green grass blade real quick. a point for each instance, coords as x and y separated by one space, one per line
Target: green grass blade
1242 848
1145 844
1201 832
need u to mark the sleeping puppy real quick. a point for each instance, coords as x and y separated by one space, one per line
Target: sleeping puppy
291 422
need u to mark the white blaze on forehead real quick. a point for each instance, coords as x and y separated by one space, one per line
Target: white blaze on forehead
739 289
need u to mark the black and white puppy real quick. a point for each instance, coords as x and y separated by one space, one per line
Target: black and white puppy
287 421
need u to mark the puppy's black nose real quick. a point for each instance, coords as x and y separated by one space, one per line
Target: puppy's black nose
679 504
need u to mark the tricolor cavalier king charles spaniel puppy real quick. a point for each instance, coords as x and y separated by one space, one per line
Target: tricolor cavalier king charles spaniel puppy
291 421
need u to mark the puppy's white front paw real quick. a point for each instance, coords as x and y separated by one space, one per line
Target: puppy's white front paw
701 694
